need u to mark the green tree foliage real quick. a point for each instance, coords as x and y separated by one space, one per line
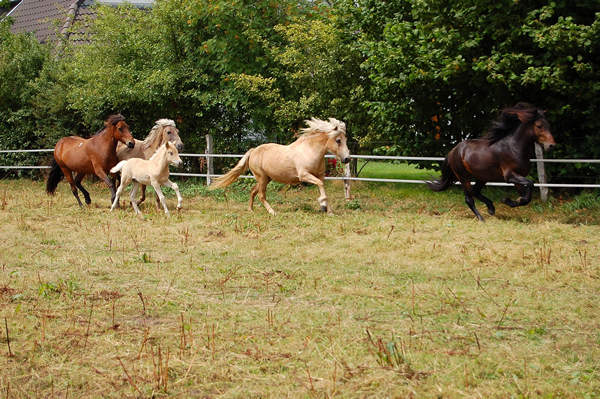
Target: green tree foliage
194 61
440 70
22 59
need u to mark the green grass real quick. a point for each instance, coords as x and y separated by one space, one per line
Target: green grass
392 170
401 294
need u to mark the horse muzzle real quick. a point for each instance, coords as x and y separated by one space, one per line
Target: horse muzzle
131 144
179 146
346 160
548 146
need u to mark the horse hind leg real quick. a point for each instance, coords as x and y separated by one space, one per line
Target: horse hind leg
469 199
132 196
262 193
143 198
69 177
122 185
86 195
488 202
253 193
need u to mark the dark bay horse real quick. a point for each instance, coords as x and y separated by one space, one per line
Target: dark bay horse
501 155
96 155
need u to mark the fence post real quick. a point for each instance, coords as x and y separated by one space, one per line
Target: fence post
347 173
209 160
539 154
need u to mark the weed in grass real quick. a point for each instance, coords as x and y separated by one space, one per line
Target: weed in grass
353 204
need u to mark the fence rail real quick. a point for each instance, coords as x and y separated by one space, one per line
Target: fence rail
346 178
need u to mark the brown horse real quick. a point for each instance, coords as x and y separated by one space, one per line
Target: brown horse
163 130
301 161
500 155
95 155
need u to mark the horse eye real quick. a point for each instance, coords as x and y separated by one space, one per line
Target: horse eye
170 152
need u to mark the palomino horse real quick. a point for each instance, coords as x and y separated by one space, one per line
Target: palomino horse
164 130
153 171
301 161
86 156
500 155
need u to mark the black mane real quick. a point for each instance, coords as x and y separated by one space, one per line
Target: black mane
510 119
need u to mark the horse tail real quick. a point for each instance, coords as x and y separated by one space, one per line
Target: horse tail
118 167
445 180
55 176
231 176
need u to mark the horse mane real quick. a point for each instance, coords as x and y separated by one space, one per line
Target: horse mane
110 120
510 119
156 131
316 126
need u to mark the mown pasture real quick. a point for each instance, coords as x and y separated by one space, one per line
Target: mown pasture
401 294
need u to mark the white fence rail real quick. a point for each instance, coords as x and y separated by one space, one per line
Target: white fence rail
347 178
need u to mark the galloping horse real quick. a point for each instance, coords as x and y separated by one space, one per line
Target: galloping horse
502 154
86 156
301 161
164 130
154 171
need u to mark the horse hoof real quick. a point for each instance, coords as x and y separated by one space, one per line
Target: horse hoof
492 211
323 208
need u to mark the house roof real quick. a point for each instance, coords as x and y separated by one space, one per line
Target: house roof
47 19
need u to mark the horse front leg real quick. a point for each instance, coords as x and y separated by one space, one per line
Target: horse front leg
524 188
175 187
161 196
322 200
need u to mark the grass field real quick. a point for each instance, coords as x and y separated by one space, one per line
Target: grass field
401 293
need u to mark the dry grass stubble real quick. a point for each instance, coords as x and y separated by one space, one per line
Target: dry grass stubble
392 299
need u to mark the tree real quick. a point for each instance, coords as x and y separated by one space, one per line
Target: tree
440 70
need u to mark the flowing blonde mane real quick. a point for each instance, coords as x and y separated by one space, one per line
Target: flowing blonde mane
157 131
331 127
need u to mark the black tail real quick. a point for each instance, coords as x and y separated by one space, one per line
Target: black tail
445 181
55 176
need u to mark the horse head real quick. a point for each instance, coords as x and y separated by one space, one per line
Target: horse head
170 132
541 130
172 154
120 129
337 142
